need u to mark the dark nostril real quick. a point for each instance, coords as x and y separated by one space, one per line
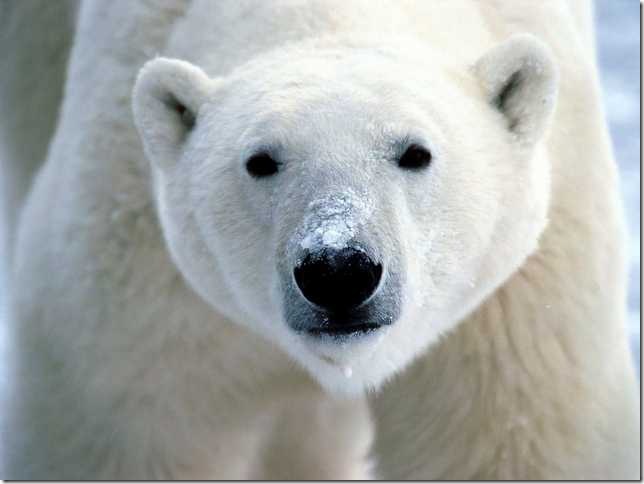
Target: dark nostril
338 280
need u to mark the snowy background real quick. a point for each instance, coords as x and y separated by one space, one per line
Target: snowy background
618 36
618 42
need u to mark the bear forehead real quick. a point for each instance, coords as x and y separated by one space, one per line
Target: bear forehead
350 72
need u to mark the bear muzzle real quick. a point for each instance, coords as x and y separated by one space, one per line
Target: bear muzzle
340 292
338 280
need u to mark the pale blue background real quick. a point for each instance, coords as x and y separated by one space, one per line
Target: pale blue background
618 35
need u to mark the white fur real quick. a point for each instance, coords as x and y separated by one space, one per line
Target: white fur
151 340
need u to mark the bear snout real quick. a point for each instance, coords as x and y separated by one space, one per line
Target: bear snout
338 280
340 291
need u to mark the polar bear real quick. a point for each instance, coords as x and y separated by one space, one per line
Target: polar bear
320 240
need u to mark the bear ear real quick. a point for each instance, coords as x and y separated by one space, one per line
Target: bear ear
166 100
521 81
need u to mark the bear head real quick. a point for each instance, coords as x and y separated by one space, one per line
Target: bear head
350 202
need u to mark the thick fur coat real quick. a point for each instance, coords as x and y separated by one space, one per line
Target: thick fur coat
152 315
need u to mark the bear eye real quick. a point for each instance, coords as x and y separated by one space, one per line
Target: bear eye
261 165
415 158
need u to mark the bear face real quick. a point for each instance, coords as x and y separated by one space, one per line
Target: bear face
350 204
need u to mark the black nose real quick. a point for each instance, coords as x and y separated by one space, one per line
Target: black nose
338 280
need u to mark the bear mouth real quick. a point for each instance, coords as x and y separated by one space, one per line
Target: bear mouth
339 330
